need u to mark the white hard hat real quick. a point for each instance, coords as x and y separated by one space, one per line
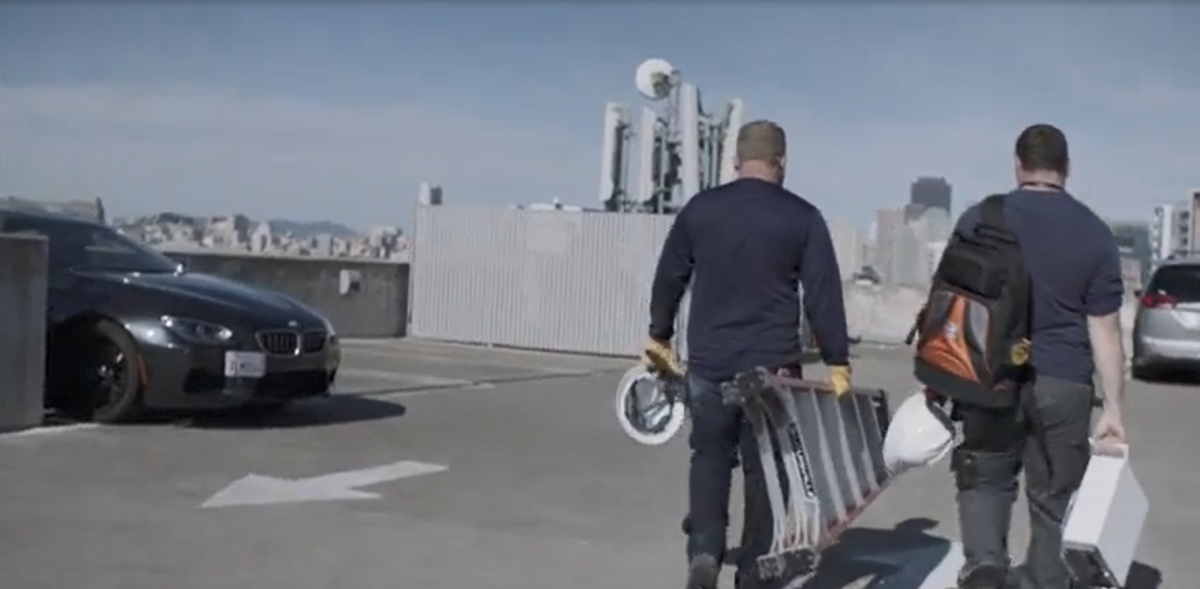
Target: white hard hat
919 434
646 410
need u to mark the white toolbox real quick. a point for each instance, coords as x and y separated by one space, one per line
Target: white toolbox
1104 522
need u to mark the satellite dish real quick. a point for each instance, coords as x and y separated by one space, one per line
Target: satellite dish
654 78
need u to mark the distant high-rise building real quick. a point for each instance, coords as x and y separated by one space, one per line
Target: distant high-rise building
1170 232
913 211
911 261
429 195
1134 240
889 224
929 193
934 249
1193 206
908 260
1133 272
847 247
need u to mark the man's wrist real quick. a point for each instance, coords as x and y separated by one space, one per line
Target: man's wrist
1112 404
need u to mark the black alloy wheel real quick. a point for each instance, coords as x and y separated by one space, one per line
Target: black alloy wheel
110 379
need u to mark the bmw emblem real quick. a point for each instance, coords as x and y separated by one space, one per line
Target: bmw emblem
293 323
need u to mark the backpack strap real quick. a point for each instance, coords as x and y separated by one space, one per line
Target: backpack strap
992 221
992 211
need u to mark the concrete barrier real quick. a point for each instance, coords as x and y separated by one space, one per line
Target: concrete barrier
376 304
363 298
884 314
881 314
22 331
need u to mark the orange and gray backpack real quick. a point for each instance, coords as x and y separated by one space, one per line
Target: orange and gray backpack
973 334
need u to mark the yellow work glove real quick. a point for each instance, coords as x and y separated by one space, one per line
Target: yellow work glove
839 379
659 356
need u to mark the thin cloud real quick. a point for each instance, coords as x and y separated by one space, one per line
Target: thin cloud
149 149
936 89
954 109
847 167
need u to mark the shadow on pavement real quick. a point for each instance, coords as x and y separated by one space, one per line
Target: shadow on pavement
1143 576
899 558
905 556
310 413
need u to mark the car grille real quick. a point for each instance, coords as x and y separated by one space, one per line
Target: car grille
288 342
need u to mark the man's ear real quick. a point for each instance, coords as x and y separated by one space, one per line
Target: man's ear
782 163
1067 171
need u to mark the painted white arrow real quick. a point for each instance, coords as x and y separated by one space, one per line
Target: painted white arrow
254 489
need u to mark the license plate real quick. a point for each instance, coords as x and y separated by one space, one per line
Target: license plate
245 364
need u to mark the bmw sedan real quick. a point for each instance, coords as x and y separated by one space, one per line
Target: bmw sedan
131 330
1166 329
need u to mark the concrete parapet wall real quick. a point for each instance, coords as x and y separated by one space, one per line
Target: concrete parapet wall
378 305
884 314
881 314
23 284
375 305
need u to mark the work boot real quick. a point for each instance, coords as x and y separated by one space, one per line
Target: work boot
703 572
986 576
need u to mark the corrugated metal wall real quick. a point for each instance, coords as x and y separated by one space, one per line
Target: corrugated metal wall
551 280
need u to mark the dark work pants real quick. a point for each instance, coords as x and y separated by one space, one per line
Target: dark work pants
996 446
718 433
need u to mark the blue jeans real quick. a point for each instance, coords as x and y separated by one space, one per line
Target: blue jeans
719 433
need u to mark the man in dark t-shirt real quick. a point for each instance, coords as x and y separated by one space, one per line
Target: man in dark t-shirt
1074 268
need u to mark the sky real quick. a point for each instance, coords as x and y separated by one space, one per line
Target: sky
337 111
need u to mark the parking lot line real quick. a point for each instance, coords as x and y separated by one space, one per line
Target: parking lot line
48 430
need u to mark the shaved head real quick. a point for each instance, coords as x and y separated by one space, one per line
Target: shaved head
761 151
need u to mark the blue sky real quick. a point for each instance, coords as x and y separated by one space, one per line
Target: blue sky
335 110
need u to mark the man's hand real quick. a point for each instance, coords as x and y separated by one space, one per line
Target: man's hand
659 356
1110 427
839 379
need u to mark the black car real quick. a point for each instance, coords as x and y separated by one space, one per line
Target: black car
131 330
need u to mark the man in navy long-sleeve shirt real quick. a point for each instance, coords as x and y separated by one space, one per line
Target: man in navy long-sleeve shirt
745 247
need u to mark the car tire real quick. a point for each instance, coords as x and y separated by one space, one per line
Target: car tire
126 404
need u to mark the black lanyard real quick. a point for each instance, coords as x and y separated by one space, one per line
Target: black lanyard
1050 185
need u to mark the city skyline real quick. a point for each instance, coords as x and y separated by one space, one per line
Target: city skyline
423 194
339 111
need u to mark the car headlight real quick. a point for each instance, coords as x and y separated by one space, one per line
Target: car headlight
196 331
329 330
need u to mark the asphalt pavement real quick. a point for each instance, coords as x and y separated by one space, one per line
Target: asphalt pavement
450 467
